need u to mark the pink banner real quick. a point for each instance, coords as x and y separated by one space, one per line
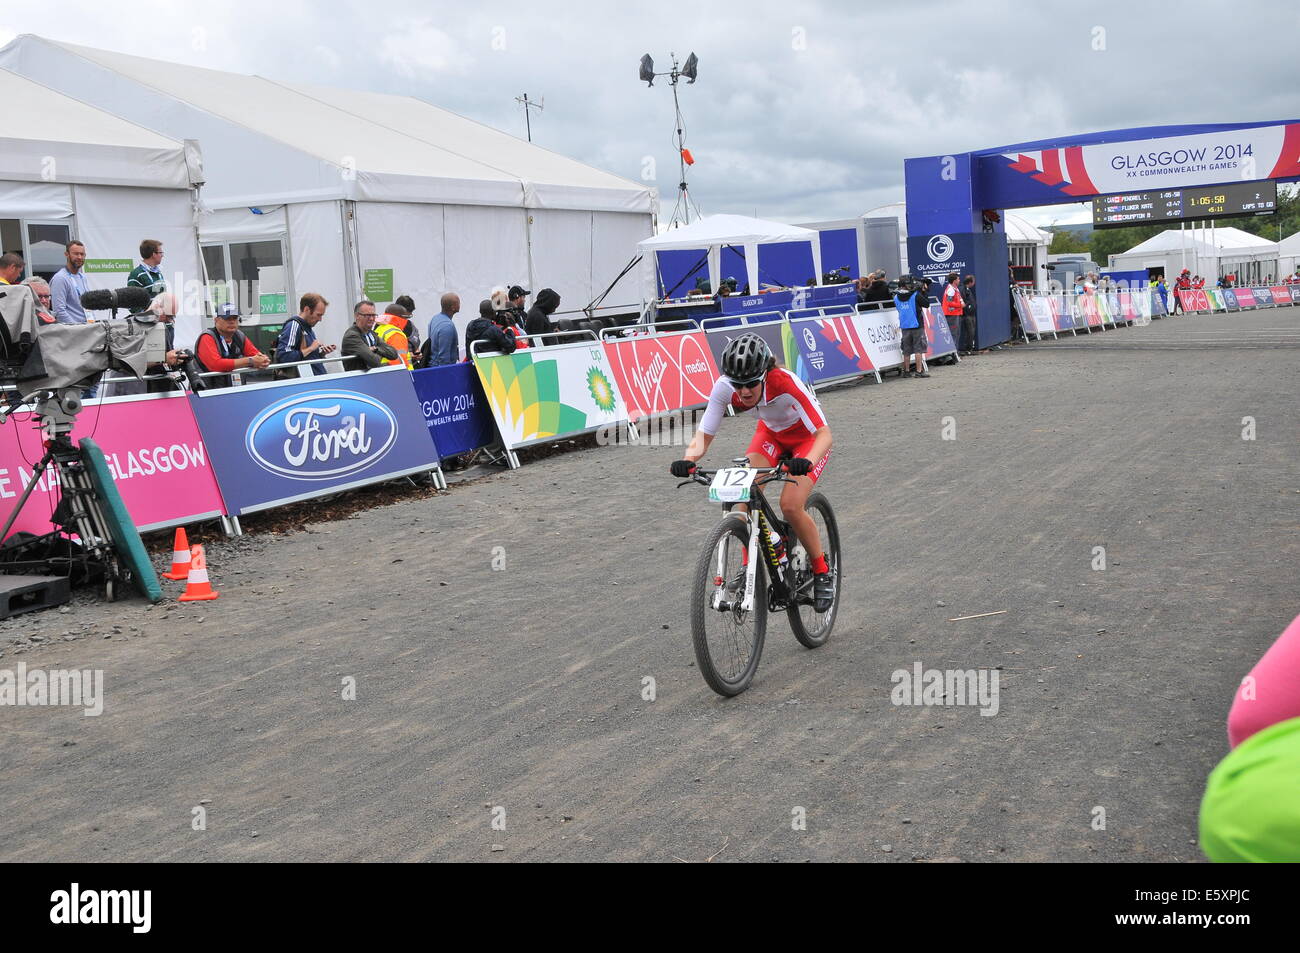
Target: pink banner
153 450
1194 300
1088 305
1245 298
659 373
1281 294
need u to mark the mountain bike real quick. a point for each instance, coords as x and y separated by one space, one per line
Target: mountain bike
751 565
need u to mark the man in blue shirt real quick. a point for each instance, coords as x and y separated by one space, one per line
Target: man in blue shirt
297 340
912 324
444 346
69 284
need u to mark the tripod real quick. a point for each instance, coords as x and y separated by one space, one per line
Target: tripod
89 507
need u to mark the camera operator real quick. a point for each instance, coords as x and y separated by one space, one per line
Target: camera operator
163 307
491 326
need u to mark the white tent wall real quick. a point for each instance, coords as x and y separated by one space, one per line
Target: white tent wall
485 247
408 238
614 239
562 248
49 202
112 222
241 225
315 252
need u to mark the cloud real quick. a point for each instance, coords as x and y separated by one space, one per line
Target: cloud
418 50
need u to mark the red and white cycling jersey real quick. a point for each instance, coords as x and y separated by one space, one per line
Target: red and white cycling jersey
787 406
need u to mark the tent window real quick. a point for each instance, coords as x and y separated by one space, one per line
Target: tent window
45 248
252 274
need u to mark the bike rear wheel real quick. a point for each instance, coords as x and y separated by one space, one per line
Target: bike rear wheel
810 627
728 639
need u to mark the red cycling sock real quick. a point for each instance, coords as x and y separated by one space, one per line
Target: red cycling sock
744 556
819 565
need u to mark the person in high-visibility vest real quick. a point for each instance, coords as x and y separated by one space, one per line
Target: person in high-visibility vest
393 336
953 304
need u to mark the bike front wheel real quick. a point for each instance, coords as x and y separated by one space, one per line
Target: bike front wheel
728 638
813 628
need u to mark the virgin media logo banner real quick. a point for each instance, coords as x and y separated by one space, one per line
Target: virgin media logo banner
661 373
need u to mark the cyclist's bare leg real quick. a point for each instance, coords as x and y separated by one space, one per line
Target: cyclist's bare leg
794 497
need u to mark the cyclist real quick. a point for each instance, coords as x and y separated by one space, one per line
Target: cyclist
790 421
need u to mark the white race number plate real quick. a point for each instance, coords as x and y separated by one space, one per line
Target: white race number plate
731 485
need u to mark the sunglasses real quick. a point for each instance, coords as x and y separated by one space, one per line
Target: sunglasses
745 384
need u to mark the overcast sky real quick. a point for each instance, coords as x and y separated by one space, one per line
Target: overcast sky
802 112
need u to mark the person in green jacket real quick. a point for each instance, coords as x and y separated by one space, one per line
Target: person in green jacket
148 274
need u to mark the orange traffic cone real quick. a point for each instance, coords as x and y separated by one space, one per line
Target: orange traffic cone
180 556
197 587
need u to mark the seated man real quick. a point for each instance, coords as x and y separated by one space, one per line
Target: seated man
224 348
44 300
297 340
361 348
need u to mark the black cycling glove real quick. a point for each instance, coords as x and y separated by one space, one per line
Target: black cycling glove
682 468
798 466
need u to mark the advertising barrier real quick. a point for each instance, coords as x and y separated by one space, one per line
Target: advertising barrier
880 335
154 452
1281 294
286 441
1037 315
831 348
1263 297
1245 298
939 342
1295 293
542 394
661 373
774 332
455 408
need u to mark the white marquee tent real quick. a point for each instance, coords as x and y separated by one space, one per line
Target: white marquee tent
68 170
329 190
711 233
1288 251
1209 252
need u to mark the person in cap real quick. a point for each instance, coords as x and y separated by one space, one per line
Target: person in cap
489 327
402 316
517 296
388 331
224 348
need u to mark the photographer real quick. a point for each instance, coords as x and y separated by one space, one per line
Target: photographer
163 307
491 326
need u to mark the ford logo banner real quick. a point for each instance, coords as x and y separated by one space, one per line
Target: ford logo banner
321 436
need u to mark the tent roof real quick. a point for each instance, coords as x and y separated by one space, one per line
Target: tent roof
727 230
1289 245
345 143
86 145
1212 242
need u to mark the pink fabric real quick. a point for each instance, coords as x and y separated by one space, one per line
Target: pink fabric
1271 692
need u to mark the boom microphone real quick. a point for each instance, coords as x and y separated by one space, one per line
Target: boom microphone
132 299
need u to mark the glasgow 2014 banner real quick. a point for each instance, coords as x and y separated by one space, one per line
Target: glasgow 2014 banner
540 394
454 407
153 449
280 442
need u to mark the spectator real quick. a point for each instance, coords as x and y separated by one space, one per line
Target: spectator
442 346
1182 283
297 340
361 346
508 318
224 348
518 296
914 344
966 343
41 289
163 307
878 296
411 331
148 275
11 268
538 319
399 316
488 327
69 284
953 304
863 287
392 335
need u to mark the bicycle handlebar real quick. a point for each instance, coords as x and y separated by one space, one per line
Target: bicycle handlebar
765 475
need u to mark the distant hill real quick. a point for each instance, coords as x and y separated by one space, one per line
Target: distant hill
1082 231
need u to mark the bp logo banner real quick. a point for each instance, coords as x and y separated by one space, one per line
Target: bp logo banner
276 443
541 394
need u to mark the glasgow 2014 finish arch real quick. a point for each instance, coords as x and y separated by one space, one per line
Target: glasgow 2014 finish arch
955 202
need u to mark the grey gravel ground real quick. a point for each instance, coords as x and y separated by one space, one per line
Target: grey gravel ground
517 694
